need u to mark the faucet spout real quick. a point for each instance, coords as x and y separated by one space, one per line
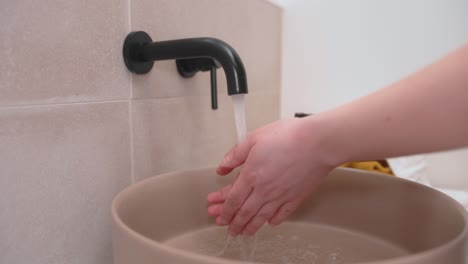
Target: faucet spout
142 51
215 49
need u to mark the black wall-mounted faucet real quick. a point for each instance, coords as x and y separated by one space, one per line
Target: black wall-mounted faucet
191 55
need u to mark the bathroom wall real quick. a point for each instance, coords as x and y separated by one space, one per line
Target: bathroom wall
76 127
336 51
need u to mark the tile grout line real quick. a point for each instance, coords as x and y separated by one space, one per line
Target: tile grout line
62 104
130 105
115 100
91 102
132 158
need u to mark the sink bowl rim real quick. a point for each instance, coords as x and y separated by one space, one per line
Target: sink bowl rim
426 254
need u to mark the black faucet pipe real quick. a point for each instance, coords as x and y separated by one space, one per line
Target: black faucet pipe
213 48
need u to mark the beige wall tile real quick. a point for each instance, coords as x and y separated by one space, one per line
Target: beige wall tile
183 132
261 109
57 51
60 167
252 27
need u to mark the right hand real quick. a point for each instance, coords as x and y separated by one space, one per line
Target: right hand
282 163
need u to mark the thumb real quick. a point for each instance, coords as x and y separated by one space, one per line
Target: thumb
235 157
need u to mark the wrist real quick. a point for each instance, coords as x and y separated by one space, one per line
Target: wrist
324 141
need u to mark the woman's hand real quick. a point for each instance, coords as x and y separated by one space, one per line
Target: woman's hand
282 163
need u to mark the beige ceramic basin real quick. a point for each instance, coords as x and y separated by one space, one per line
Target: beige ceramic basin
368 218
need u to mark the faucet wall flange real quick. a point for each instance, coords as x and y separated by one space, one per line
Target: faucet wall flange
134 61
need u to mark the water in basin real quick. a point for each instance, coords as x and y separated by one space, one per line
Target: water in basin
290 243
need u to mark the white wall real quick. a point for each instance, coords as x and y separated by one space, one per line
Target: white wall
335 51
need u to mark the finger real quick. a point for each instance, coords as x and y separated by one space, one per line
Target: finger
239 193
219 221
236 156
248 210
215 210
265 213
215 197
219 196
223 170
283 212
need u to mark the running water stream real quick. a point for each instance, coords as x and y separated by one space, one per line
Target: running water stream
247 245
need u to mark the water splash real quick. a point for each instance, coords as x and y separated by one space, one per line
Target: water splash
227 243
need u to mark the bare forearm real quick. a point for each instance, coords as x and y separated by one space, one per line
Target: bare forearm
428 111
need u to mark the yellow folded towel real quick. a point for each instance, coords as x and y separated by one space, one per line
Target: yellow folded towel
374 166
